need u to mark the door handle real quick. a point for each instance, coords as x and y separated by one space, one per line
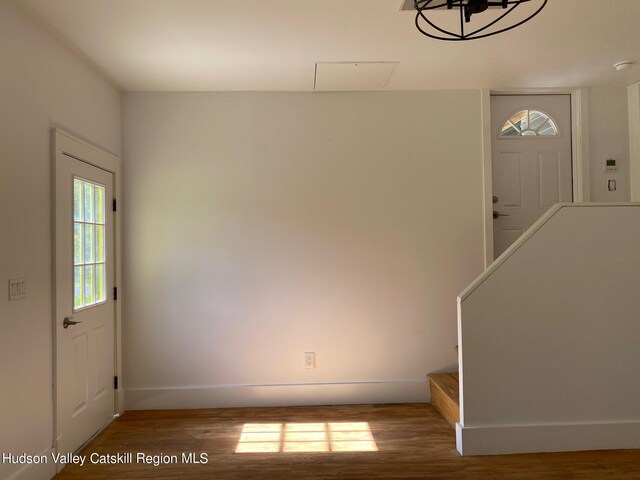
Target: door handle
67 321
497 215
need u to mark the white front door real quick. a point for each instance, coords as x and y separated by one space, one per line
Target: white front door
531 161
84 304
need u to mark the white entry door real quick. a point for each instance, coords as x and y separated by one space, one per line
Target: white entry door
84 304
532 167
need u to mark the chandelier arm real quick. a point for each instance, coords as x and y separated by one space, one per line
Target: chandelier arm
420 5
510 27
434 26
510 2
446 39
426 4
516 5
451 36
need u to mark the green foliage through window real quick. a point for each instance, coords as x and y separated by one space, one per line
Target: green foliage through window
89 270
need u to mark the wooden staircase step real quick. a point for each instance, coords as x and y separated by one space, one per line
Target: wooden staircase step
445 395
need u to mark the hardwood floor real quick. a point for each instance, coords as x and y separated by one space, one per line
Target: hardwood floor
412 441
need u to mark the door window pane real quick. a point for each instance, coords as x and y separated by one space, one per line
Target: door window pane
536 119
77 287
88 202
89 231
529 123
89 298
77 200
100 295
99 241
89 244
99 204
77 243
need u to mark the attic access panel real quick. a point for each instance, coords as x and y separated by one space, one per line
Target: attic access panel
348 76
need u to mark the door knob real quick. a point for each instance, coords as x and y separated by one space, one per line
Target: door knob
497 215
67 321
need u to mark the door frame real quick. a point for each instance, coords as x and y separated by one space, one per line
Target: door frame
634 139
579 150
64 143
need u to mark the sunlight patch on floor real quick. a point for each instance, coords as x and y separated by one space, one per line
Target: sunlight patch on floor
306 437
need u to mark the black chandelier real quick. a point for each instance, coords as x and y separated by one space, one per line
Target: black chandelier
467 9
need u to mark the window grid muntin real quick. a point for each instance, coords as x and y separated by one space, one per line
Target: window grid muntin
520 125
89 230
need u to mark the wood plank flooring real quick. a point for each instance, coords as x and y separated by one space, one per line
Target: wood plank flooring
413 441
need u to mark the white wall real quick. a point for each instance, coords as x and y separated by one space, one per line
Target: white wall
261 226
41 85
634 134
609 138
549 339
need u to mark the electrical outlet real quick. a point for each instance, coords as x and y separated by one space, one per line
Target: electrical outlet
309 359
17 288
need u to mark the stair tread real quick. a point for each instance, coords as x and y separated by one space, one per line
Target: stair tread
448 383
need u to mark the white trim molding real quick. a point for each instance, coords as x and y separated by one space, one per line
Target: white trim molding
37 471
580 144
579 147
525 237
570 437
529 379
634 140
276 395
63 143
487 177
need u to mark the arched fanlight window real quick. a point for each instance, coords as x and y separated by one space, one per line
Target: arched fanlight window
530 123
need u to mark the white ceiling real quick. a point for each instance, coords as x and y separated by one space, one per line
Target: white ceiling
353 76
275 44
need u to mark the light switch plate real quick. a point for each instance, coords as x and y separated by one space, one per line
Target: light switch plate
17 288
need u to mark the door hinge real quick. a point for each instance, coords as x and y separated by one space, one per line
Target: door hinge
115 293
115 382
114 204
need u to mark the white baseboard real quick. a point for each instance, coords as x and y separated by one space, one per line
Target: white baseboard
40 471
508 439
120 403
215 396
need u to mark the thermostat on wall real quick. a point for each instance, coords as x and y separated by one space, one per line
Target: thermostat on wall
610 165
